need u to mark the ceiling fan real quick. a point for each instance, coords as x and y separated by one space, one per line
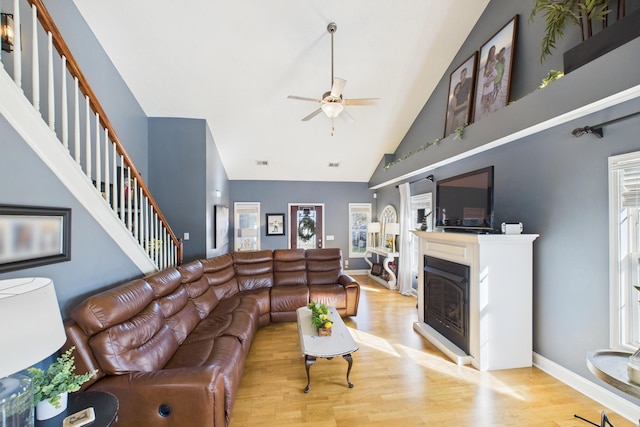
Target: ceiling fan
332 102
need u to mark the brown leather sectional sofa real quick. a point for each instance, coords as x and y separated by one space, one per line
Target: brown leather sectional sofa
172 346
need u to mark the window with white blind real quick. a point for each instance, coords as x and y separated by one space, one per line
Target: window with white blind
624 235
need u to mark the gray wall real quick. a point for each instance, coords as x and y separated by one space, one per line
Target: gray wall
96 261
185 172
554 183
274 197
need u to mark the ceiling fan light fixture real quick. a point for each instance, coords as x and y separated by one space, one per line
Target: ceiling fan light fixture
332 109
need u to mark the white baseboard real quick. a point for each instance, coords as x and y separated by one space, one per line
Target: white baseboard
590 389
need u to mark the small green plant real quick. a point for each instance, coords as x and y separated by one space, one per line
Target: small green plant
57 379
457 134
320 315
560 13
553 75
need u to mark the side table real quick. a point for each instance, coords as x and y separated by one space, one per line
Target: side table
105 405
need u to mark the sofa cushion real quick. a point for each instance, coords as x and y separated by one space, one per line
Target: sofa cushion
254 270
201 294
332 295
180 313
112 306
324 266
221 275
142 343
289 267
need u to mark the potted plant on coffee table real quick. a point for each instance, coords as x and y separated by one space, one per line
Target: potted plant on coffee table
320 318
51 387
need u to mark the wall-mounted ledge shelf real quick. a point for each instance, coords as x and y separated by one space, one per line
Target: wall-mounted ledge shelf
535 112
388 256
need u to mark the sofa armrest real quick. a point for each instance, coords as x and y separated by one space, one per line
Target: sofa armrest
347 281
352 289
168 397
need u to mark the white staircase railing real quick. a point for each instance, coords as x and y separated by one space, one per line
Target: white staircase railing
93 143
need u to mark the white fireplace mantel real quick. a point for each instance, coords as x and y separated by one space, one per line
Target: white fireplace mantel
500 301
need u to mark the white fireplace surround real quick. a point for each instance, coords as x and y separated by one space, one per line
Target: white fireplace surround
500 300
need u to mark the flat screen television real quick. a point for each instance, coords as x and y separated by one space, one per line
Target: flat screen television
465 202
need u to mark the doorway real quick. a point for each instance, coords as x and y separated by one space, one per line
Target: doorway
306 225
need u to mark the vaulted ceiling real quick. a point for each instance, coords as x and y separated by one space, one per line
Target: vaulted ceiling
234 63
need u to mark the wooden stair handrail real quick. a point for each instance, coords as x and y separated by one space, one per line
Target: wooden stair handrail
49 26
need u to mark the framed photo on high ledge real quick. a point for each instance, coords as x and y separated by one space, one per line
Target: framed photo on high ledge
31 236
494 71
460 99
275 224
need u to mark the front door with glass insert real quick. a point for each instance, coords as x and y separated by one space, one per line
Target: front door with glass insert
306 226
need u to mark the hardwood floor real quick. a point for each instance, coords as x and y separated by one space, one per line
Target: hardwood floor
400 379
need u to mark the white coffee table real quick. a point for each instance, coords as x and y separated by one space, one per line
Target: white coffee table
339 343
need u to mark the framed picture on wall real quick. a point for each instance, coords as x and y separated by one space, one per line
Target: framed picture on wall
494 71
221 226
460 99
275 224
32 236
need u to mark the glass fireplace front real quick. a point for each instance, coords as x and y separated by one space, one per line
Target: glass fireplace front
446 299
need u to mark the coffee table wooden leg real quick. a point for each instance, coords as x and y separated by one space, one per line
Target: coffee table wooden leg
308 361
349 360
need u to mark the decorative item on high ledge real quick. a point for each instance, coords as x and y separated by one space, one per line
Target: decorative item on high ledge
51 387
320 318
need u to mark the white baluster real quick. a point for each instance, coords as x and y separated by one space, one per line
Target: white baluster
165 250
121 189
152 234
50 92
64 113
114 200
87 136
134 207
98 164
147 227
76 124
129 199
107 181
156 237
17 45
35 62
141 217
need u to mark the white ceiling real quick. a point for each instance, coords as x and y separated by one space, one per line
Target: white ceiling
234 63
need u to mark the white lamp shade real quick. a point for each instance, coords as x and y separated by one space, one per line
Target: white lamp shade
392 228
332 109
31 326
373 227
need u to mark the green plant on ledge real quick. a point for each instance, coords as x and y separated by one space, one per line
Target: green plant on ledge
552 76
320 315
560 13
57 379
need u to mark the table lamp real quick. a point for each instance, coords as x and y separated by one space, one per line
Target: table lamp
393 228
373 228
31 331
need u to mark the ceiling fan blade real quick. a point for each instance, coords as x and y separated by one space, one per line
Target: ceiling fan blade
312 115
338 85
303 98
361 101
346 116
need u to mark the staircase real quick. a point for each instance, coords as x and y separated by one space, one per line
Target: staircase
85 153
